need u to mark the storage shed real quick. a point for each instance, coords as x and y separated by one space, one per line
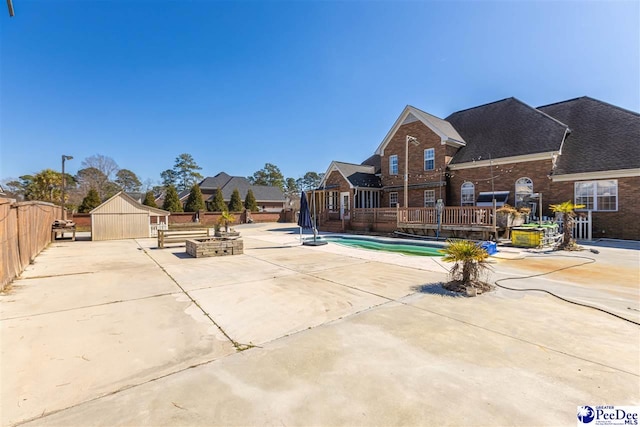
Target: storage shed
121 217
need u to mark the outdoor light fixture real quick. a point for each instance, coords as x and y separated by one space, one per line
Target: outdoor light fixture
64 211
10 6
415 142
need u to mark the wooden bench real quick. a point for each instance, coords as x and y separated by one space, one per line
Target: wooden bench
181 236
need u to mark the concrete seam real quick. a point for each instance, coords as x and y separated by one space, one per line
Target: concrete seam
238 346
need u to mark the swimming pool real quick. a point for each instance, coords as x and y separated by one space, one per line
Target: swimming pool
406 247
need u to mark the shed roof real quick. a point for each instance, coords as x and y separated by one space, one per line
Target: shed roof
131 206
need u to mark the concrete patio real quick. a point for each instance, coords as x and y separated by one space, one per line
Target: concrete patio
121 333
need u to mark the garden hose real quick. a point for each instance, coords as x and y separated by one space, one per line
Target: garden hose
589 261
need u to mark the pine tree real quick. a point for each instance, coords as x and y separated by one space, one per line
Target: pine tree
250 203
235 204
194 201
150 200
90 202
171 200
218 204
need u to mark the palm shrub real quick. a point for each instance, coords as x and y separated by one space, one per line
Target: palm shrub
250 202
171 200
225 219
194 201
235 204
567 210
218 204
90 201
470 263
150 200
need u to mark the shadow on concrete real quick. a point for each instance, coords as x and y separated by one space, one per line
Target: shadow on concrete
182 255
290 230
435 289
612 243
274 247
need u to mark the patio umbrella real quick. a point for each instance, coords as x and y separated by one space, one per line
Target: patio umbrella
304 217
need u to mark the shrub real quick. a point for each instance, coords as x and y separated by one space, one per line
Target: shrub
90 201
250 203
194 201
218 204
171 200
235 204
150 199
470 263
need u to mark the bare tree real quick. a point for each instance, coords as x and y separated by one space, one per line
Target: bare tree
104 164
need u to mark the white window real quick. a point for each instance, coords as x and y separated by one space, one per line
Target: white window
393 165
429 198
332 201
429 159
468 194
393 200
524 188
597 195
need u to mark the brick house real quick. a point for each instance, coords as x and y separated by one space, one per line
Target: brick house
269 199
582 150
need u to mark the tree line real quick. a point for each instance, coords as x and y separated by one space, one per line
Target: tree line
100 178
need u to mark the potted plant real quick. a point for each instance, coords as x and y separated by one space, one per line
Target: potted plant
225 220
508 216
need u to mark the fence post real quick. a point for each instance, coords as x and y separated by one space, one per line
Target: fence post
589 226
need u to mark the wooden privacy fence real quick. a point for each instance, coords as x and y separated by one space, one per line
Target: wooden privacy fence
25 229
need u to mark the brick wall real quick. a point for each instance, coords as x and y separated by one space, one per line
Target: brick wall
622 224
81 219
417 174
504 179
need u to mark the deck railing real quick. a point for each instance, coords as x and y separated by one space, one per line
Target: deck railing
373 215
451 215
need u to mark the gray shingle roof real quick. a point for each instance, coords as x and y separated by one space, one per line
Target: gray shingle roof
213 182
228 183
375 161
603 136
505 128
359 175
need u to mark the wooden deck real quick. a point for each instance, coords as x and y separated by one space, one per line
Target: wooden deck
455 220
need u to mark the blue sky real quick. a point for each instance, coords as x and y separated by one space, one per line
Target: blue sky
298 84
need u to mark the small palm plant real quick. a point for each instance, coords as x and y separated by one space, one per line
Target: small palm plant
225 219
567 209
470 263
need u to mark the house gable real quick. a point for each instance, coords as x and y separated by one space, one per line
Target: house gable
445 131
353 175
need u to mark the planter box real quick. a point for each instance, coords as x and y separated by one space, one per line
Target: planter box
505 220
213 246
228 234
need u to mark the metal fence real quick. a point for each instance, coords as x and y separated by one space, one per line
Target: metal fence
25 230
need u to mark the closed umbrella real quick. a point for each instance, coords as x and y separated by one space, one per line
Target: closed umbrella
304 221
304 217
